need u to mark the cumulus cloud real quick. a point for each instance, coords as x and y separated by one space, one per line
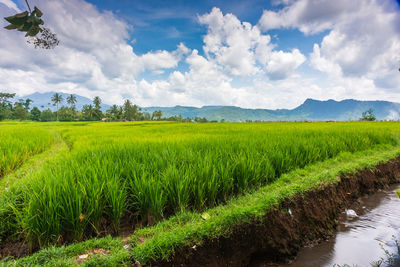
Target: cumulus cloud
241 49
282 64
10 4
94 56
163 59
309 16
206 84
363 36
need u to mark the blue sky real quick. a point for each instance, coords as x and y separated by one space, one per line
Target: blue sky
254 54
161 24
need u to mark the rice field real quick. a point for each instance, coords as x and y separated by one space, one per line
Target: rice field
142 173
20 142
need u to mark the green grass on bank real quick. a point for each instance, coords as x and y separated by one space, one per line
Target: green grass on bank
190 228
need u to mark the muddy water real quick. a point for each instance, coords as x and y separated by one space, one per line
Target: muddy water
366 226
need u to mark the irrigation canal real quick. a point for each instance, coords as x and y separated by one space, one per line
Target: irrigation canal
364 232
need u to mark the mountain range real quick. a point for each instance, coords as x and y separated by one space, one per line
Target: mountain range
311 109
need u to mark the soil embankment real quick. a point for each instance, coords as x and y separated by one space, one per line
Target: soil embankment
299 221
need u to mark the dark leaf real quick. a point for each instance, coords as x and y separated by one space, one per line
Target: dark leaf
18 19
33 31
10 27
25 27
34 20
37 12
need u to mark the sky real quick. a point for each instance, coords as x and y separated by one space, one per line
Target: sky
252 54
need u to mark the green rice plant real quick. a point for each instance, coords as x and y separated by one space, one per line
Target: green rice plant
152 171
146 197
177 188
115 200
20 142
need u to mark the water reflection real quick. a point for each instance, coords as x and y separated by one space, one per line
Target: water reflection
359 238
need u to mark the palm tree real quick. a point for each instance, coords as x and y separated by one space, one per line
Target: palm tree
88 112
71 99
97 102
97 108
56 99
157 114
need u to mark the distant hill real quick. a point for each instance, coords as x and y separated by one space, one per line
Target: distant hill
43 101
311 109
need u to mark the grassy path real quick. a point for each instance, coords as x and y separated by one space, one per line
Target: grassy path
34 163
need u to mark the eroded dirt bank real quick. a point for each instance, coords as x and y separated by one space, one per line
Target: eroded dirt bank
280 235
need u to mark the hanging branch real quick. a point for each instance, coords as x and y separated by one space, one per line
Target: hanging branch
30 22
26 1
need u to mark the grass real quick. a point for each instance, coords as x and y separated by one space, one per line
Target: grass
149 172
20 142
190 228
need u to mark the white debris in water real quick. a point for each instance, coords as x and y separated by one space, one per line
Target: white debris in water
84 256
290 212
351 213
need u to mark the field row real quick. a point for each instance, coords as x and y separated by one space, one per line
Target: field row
20 142
144 172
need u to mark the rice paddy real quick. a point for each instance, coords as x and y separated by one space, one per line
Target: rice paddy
20 142
142 173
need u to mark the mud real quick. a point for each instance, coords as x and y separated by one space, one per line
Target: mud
279 236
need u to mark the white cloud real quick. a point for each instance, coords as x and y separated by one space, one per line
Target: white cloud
282 64
309 16
10 4
164 59
363 37
241 49
94 56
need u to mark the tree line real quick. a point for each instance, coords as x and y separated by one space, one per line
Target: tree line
21 110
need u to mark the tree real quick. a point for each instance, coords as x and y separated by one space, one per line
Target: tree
97 108
131 112
5 105
26 103
71 100
115 113
35 114
20 113
198 119
368 115
30 23
88 112
146 116
47 115
4 98
157 114
66 114
57 99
